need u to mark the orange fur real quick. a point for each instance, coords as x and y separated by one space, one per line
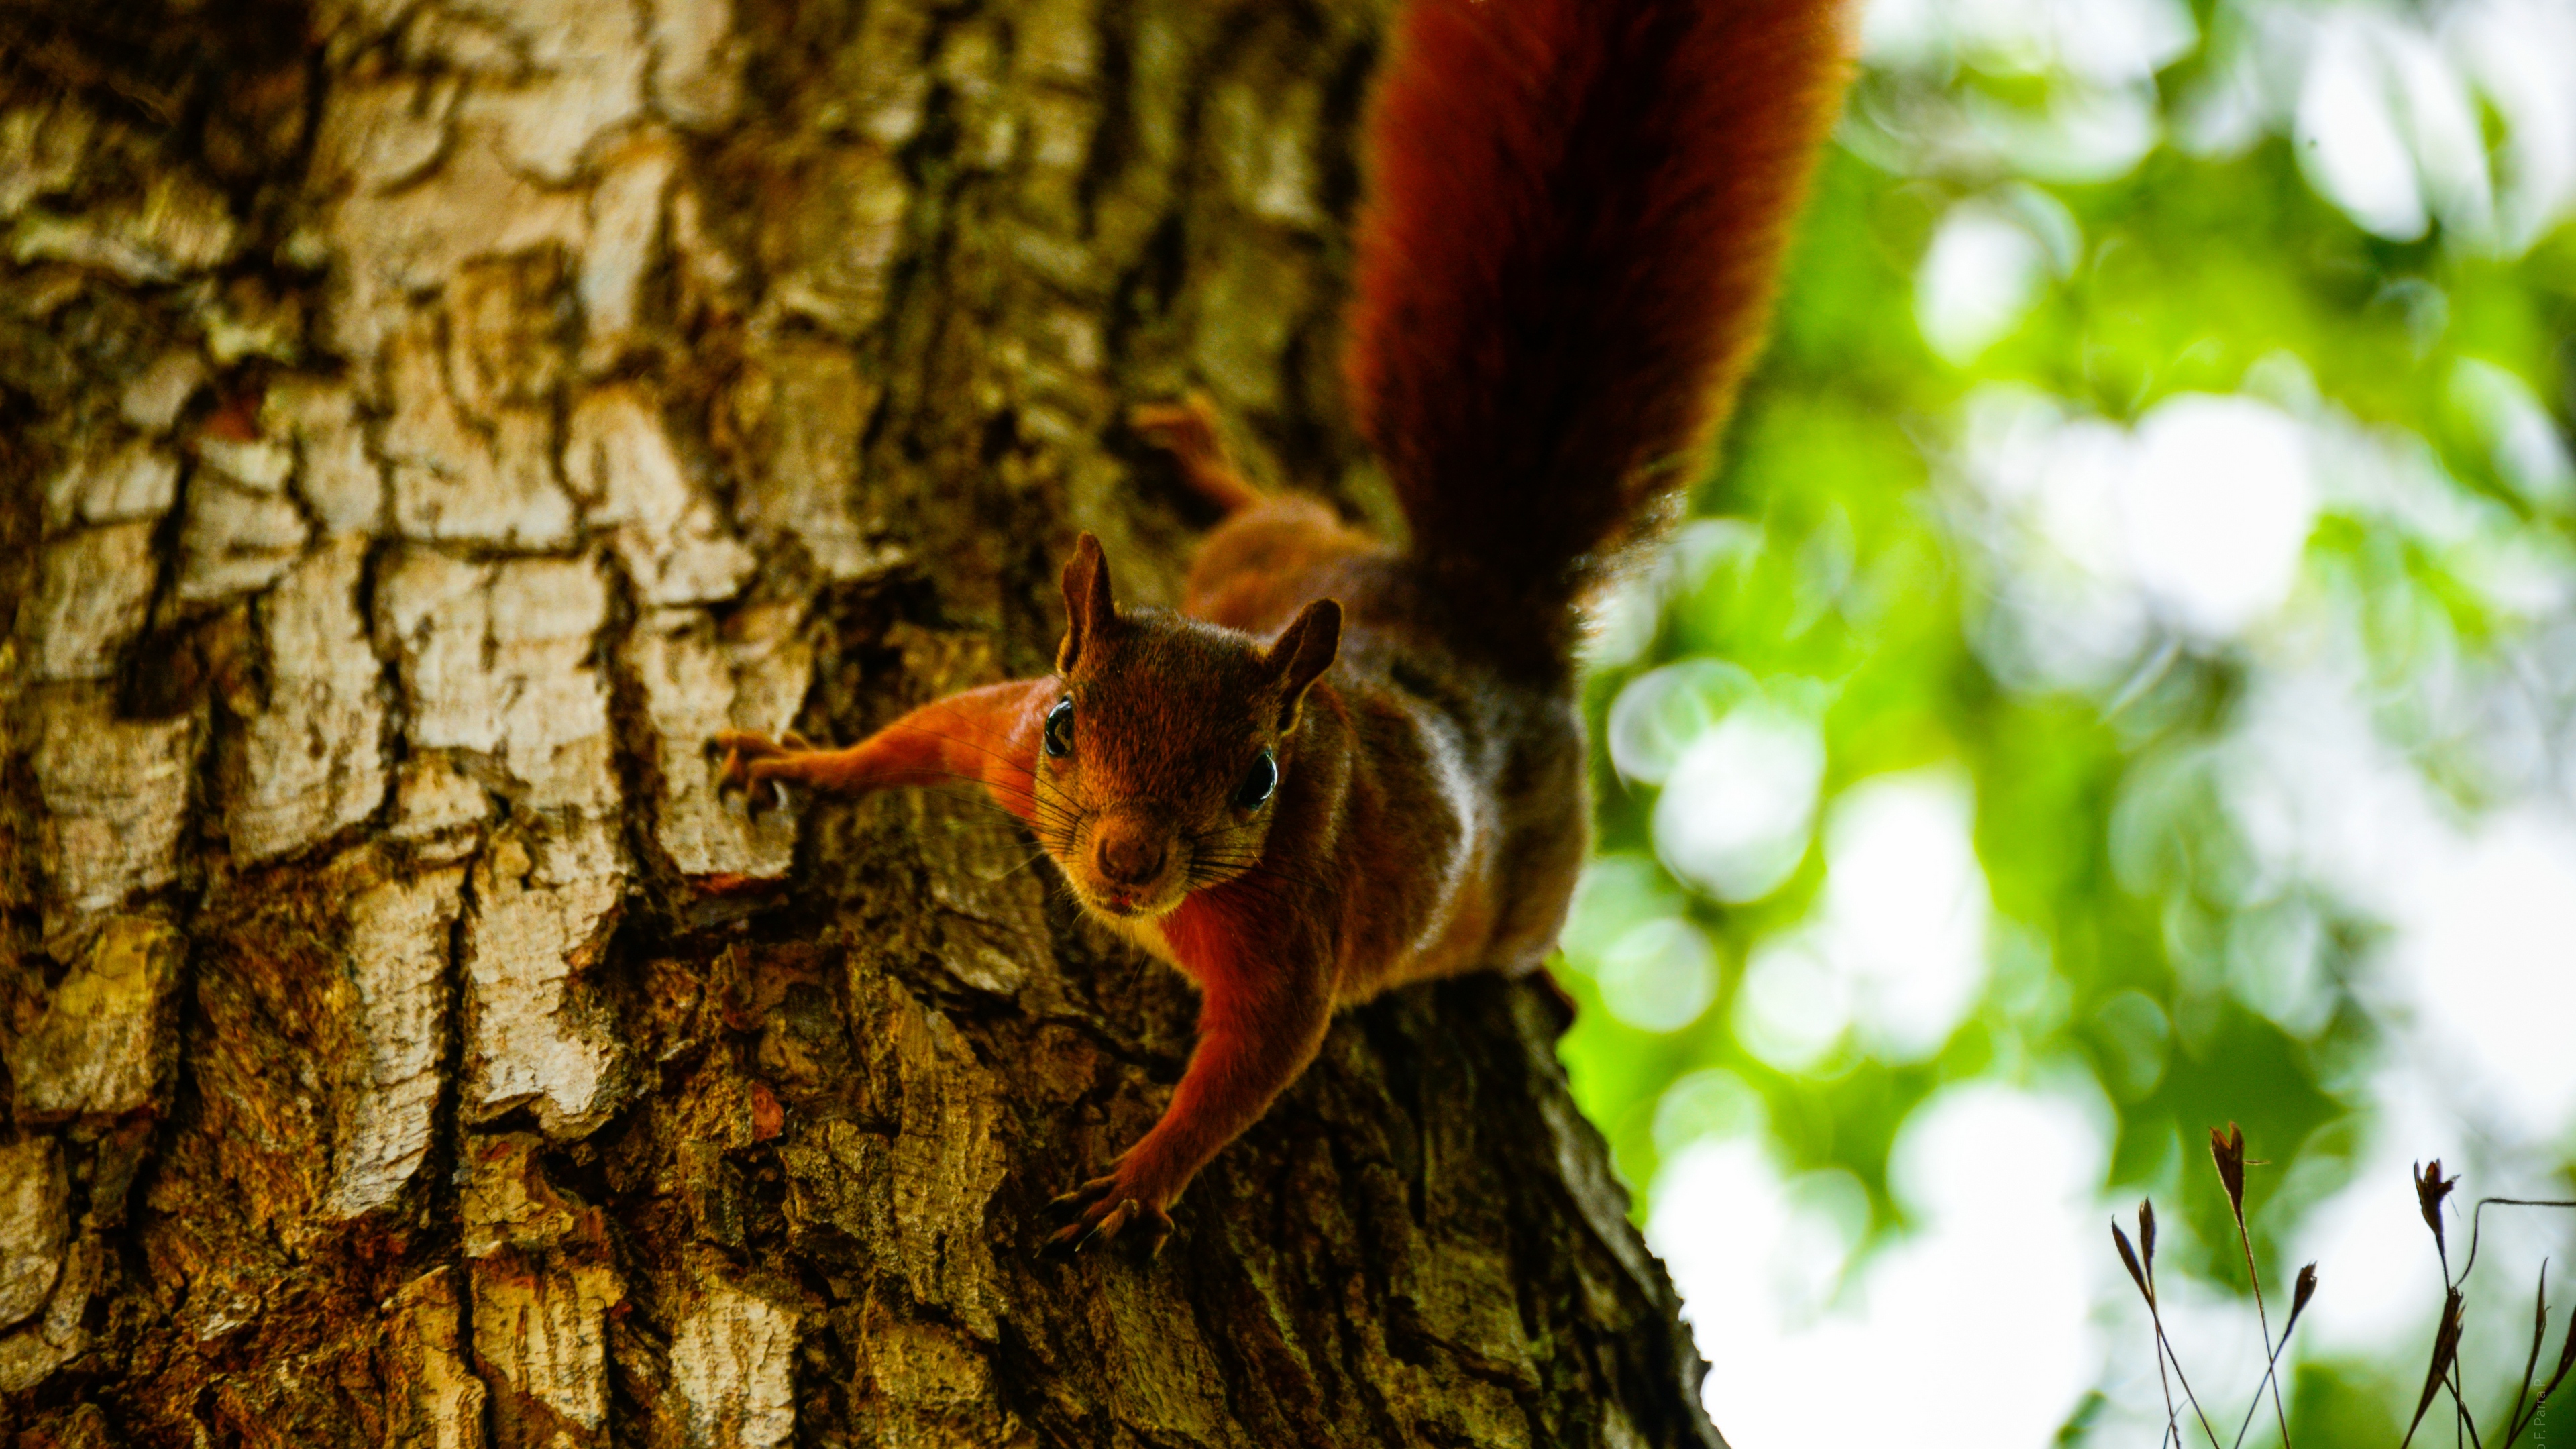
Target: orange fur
1346 767
1187 430
983 736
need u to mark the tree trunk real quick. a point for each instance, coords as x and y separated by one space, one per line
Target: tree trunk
424 424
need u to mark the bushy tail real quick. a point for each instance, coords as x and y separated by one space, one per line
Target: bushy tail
1576 216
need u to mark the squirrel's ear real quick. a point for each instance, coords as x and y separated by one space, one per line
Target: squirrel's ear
1089 612
1303 651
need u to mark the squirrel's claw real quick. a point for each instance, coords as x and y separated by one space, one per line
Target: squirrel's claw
1157 1227
1067 1205
752 759
1102 1228
739 748
1098 1213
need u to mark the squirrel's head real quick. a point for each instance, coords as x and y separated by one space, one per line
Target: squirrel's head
1165 756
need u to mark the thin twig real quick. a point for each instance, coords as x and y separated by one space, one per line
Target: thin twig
2145 1278
2446 1344
2228 1153
2307 1287
2478 1213
2531 1365
2179 1376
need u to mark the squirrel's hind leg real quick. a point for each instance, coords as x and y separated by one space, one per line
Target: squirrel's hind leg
1258 568
1270 555
1188 431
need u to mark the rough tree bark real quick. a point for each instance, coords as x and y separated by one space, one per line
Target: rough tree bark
425 421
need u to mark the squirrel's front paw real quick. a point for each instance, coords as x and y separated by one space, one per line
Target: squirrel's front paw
1102 1208
752 760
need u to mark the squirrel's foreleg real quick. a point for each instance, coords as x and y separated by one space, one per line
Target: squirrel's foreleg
986 737
1256 1036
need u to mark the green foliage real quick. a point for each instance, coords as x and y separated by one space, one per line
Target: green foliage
2135 930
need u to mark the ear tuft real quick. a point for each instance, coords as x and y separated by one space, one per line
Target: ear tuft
1089 611
1301 654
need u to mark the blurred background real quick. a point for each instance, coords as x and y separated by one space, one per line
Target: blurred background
2121 680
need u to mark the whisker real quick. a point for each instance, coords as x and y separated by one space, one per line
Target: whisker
1016 869
1260 865
1272 876
1226 874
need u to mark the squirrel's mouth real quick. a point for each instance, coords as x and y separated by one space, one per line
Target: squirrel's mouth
1131 903
1128 906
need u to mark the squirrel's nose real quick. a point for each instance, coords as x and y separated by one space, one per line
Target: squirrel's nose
1128 852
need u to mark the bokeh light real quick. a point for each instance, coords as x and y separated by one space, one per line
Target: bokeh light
2121 680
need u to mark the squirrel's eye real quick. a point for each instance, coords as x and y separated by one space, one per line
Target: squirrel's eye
1059 729
1257 784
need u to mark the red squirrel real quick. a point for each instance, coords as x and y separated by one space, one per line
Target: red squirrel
1345 765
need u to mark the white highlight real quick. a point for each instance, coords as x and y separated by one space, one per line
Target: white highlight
1736 811
1659 976
2478 972
2347 138
2044 504
1616 894
2383 107
1974 1329
1897 949
2522 438
2489 950
2519 54
1793 1006
2197 518
1980 277
1906 906
1663 712
2391 1286
2100 42
1657 971
2218 504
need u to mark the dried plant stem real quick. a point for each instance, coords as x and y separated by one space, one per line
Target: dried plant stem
2477 1220
2445 1373
2272 1368
2143 1274
2437 1374
2515 1422
2272 1351
2227 1154
2531 1365
2166 1344
2173 1416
